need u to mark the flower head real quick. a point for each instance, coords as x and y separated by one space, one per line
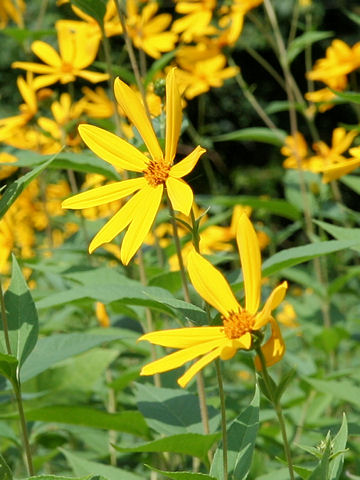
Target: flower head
238 322
158 171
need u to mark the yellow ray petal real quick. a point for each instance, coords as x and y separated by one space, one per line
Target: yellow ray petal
187 164
340 169
250 258
105 194
274 348
135 111
211 284
148 206
93 77
180 194
173 116
273 301
177 359
116 224
28 94
113 149
199 365
183 337
34 67
46 53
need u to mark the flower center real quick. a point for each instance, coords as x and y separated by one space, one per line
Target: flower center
157 172
66 67
237 324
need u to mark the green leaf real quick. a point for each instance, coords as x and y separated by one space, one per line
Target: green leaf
81 466
58 347
8 367
241 443
15 189
352 97
338 447
302 41
341 233
285 381
95 8
86 162
5 472
22 34
193 444
55 477
183 475
294 256
322 470
169 411
255 134
159 65
340 389
355 18
21 316
130 421
351 181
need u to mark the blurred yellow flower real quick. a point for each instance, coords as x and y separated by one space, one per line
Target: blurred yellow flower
112 24
147 31
201 68
7 170
287 315
196 20
102 315
239 324
295 149
232 19
12 10
139 212
78 47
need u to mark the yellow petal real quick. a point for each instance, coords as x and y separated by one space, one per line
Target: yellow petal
211 284
274 348
113 149
33 67
199 365
46 53
177 359
180 195
28 94
135 111
250 258
187 164
116 224
105 194
273 301
93 77
183 337
336 171
173 116
149 199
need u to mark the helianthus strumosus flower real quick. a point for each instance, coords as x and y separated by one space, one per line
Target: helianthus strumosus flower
159 173
239 323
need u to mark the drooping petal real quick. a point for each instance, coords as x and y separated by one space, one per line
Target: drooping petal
250 258
135 111
274 348
232 346
211 284
273 301
179 358
113 149
180 194
116 224
197 366
173 117
148 206
183 337
187 164
105 194
46 53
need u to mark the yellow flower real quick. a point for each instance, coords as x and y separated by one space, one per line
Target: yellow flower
112 24
11 9
295 149
78 47
340 59
196 20
147 31
7 170
201 68
232 21
239 323
102 315
139 212
287 316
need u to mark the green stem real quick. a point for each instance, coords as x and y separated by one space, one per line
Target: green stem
277 406
223 419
